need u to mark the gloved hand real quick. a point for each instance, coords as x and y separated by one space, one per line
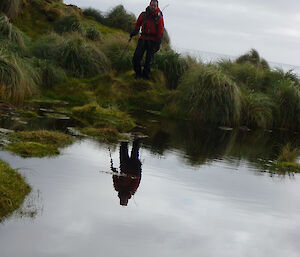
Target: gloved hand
134 32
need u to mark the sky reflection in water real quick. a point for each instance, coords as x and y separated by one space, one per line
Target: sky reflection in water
223 207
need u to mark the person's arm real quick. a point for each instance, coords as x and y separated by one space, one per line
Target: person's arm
138 24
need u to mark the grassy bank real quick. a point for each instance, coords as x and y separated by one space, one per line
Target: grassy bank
13 190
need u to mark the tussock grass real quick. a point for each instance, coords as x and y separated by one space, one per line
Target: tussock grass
32 149
119 18
103 134
173 65
69 23
114 47
13 190
82 59
92 33
257 110
18 79
10 7
286 95
55 138
94 115
97 15
288 154
209 96
7 30
253 57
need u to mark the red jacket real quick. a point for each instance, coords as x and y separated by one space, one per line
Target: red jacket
152 25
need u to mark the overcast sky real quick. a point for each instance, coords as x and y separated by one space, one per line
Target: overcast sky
229 27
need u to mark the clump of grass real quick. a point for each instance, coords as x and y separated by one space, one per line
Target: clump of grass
55 138
287 98
32 149
288 154
120 19
13 190
92 33
10 7
97 15
253 57
257 109
17 77
173 65
113 47
82 59
7 30
51 74
69 23
209 96
103 134
94 115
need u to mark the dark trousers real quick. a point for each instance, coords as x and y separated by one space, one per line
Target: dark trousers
142 47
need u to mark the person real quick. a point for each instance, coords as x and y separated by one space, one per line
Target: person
152 24
128 180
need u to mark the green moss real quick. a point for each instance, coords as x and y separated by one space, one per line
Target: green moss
94 115
55 138
27 114
13 190
32 149
103 134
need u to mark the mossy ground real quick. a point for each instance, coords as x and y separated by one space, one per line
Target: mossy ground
38 143
107 135
13 190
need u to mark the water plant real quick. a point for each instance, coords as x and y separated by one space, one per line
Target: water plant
13 190
103 134
32 149
210 96
96 116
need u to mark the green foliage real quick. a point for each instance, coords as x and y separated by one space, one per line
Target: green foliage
82 59
51 74
93 34
173 65
32 149
13 190
7 30
17 77
288 154
69 23
10 7
254 58
257 109
94 115
210 96
286 95
103 134
97 15
120 19
114 48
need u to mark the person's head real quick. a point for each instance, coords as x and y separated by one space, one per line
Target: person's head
153 5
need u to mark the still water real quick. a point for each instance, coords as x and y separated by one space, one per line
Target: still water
181 192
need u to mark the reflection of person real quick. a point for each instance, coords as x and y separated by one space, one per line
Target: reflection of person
128 181
152 25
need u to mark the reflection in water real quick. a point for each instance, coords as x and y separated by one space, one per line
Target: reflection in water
128 180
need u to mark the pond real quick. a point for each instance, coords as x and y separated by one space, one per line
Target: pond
180 191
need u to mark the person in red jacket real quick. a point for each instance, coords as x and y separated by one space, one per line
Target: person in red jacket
152 24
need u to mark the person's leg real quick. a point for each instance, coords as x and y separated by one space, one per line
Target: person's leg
124 152
135 149
149 58
138 56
